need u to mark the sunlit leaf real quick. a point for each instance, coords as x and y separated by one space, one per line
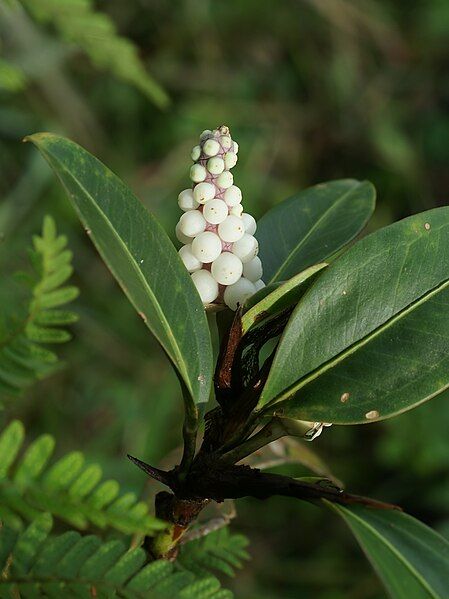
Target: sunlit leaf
279 296
369 340
140 256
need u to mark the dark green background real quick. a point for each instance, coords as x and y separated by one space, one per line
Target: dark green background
312 90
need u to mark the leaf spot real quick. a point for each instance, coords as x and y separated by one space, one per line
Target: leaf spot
344 292
201 379
427 226
344 398
372 414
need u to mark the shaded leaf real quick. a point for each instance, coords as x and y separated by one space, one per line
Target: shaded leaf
312 225
411 559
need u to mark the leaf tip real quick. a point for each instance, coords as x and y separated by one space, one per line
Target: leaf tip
37 138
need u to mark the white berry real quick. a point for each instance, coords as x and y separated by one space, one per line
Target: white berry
211 147
236 295
215 211
202 192
252 270
206 247
206 286
249 223
186 200
219 245
198 173
236 210
191 262
180 236
227 269
192 223
246 248
195 153
230 160
233 195
215 165
225 180
231 229
226 142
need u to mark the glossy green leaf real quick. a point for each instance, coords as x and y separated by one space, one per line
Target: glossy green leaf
312 225
411 559
141 257
369 340
282 296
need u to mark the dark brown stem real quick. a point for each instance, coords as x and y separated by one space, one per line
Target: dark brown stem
242 481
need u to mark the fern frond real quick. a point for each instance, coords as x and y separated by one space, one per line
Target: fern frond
95 34
69 489
219 551
34 564
23 360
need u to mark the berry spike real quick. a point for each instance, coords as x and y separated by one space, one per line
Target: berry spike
219 248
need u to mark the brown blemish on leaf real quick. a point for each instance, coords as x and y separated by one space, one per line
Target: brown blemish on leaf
427 226
344 398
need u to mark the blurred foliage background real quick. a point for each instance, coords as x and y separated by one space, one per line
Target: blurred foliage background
312 90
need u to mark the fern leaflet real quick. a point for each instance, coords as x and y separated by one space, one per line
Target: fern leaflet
23 359
69 489
95 34
35 565
220 551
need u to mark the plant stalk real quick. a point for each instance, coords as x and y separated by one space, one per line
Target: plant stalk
270 432
189 433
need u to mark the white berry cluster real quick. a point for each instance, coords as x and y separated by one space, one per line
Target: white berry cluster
220 249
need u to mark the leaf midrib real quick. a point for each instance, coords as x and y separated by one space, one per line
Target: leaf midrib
356 346
140 275
311 230
393 550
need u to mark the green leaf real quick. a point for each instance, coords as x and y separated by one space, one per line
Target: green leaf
312 225
11 441
140 256
53 299
282 296
56 317
35 564
47 335
68 489
411 559
95 33
23 360
220 550
369 340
